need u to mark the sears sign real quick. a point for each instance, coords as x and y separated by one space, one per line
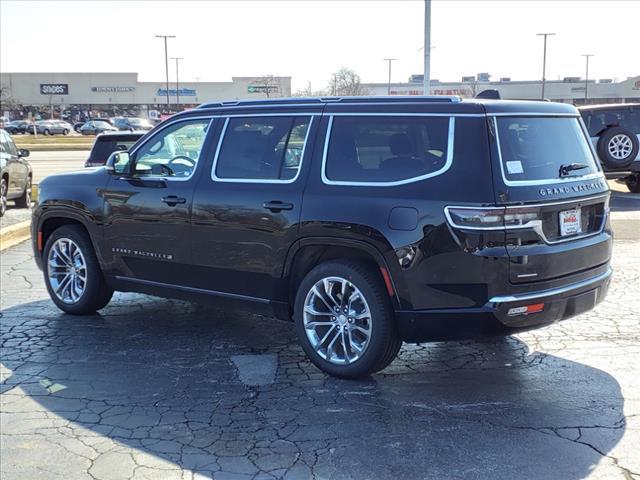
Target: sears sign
54 89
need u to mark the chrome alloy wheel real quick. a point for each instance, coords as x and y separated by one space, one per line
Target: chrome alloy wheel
337 320
67 270
620 146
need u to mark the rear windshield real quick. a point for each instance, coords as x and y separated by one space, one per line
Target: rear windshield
105 146
543 148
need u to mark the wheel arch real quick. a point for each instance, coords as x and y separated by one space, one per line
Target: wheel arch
307 253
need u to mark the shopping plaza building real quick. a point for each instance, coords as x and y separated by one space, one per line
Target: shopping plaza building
111 94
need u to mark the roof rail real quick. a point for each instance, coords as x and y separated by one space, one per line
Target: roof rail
325 100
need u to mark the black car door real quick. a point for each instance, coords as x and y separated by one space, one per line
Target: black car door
247 208
147 232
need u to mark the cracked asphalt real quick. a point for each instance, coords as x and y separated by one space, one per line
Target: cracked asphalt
160 389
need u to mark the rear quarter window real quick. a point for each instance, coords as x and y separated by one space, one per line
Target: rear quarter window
383 150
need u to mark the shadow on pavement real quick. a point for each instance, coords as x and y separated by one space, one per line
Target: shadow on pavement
625 202
155 375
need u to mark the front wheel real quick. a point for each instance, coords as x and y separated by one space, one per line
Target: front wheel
72 273
46 132
344 319
633 183
65 131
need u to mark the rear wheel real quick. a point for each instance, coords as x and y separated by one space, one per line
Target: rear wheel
65 131
633 182
24 201
46 132
72 273
3 196
344 319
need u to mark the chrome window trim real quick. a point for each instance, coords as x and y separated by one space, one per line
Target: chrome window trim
551 181
531 114
164 127
445 167
549 292
215 178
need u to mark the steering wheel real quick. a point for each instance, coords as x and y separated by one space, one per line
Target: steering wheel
182 160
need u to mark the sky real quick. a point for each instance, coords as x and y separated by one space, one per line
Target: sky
309 40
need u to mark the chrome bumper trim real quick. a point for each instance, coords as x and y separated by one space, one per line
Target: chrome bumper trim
550 292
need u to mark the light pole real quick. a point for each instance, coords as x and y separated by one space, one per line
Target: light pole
586 76
177 59
544 59
166 62
389 60
426 89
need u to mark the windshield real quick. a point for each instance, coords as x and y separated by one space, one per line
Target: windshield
543 148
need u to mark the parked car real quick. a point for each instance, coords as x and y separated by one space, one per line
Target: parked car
52 127
370 220
95 127
18 126
615 133
131 124
15 174
78 125
109 142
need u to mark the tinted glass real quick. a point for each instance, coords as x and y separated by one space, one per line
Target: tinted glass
173 152
106 145
535 148
386 149
262 148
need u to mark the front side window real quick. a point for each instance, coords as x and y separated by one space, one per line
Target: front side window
543 148
173 152
262 148
386 149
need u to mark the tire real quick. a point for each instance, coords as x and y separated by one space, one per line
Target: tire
3 196
96 293
383 342
633 182
24 201
46 132
65 131
617 148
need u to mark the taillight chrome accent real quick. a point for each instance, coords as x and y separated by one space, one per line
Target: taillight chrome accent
492 218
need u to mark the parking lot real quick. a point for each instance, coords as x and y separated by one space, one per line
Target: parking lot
161 389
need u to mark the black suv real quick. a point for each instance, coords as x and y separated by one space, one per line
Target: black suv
615 133
369 220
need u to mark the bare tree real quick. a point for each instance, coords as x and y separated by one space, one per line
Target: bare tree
267 85
309 92
7 102
346 82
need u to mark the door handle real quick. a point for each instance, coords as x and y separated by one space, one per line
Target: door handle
173 200
277 206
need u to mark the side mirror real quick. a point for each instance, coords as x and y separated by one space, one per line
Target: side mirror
23 152
119 163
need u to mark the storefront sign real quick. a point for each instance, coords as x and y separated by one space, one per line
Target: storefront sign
112 89
184 92
262 88
54 89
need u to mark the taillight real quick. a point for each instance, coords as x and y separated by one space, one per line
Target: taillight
491 218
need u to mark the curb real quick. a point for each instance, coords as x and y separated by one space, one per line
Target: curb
15 234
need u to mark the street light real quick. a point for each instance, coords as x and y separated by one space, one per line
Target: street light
389 82
544 58
166 62
177 59
586 75
426 88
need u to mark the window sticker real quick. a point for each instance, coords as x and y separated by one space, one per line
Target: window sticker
514 167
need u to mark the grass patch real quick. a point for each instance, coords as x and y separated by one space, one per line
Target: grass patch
43 144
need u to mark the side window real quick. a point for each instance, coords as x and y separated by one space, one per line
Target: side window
7 144
174 151
386 149
262 148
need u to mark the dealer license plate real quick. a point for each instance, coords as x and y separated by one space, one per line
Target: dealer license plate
570 222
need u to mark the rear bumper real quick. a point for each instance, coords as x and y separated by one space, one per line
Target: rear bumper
494 317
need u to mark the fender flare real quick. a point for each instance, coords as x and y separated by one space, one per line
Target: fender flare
362 245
